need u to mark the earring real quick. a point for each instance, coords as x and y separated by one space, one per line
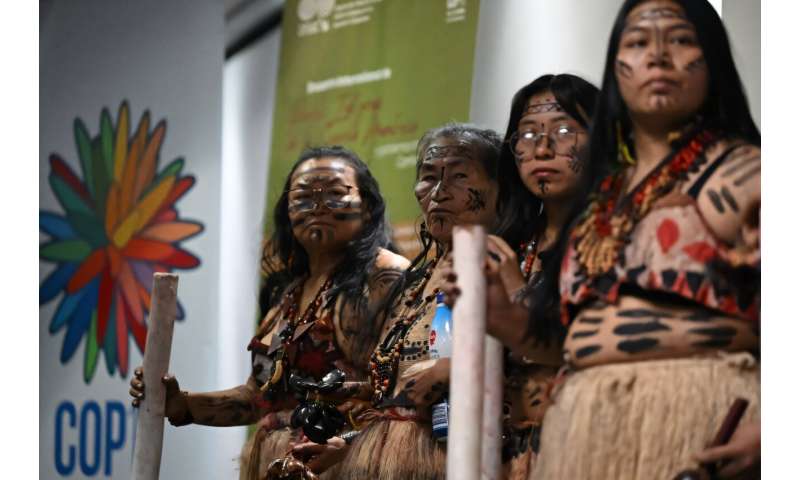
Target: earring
623 153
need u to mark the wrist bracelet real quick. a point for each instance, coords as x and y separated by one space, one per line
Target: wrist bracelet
350 436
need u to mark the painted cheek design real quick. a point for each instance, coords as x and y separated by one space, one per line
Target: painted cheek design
476 201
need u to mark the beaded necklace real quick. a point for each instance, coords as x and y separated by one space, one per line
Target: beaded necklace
385 359
289 311
528 252
611 218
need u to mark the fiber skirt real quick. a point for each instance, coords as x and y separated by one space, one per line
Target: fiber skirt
642 420
390 449
264 446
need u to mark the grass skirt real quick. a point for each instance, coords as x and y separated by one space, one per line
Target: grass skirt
390 449
642 420
265 446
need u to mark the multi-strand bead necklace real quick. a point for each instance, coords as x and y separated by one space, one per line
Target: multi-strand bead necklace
289 311
386 357
611 218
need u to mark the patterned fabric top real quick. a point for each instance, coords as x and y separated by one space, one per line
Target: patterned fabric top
416 344
314 350
671 250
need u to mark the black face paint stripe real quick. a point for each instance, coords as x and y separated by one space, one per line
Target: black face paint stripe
476 201
588 350
715 200
729 199
544 107
543 187
346 216
437 151
591 320
573 161
700 316
638 345
624 69
713 343
320 170
740 159
695 64
747 176
536 391
584 333
641 312
715 331
640 327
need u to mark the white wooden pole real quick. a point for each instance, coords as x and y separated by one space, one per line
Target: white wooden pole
467 364
492 437
150 427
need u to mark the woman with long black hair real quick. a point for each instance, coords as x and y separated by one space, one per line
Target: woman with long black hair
542 167
325 268
659 286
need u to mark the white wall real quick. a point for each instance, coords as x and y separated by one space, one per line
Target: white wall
743 20
166 57
519 40
249 82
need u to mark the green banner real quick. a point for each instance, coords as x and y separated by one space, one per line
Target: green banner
372 75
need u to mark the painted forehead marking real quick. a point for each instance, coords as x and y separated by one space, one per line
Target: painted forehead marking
437 151
545 106
658 12
316 178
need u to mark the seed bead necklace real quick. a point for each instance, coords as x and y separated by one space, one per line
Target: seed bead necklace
291 307
611 218
528 252
384 361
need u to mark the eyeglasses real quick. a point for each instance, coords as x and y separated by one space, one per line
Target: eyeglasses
308 199
563 139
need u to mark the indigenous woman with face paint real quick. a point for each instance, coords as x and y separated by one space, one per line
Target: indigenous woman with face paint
547 129
325 268
456 184
660 283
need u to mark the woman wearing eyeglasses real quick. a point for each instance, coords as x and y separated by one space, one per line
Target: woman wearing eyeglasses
325 267
547 129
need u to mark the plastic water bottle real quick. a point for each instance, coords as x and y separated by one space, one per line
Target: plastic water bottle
441 346
441 338
440 421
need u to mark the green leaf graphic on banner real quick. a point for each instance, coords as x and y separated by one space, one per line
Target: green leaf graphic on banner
124 197
172 170
90 362
65 251
110 341
85 154
107 141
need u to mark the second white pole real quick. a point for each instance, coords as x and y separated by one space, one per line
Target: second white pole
467 361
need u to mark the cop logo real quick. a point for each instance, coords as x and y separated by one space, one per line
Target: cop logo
313 15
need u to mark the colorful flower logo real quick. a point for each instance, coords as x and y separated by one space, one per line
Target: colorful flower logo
120 226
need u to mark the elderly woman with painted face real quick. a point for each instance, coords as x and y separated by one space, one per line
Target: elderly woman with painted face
456 184
660 283
325 266
541 164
